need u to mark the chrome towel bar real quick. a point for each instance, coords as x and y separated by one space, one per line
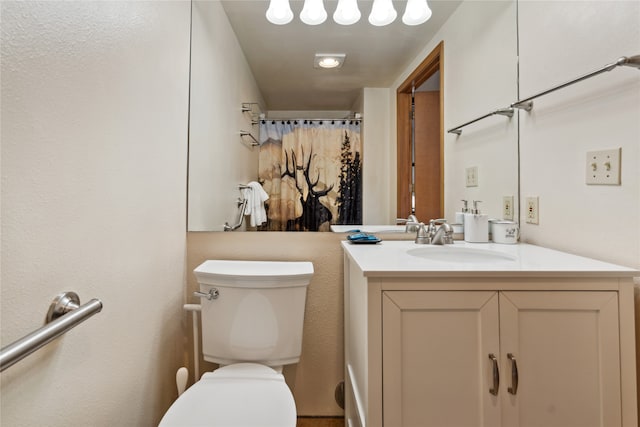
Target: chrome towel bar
527 103
65 312
501 111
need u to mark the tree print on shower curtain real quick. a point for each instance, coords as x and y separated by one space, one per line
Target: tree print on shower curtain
350 199
311 170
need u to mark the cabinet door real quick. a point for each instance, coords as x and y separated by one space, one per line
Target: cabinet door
436 365
566 346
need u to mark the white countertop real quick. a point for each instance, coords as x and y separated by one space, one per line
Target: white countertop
390 258
369 228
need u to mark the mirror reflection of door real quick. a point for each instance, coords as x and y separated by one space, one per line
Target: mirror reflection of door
420 137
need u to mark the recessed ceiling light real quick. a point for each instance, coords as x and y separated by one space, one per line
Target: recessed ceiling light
328 60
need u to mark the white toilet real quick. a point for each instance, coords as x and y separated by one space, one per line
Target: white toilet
252 317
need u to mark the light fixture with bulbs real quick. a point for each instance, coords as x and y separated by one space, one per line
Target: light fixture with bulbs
382 13
329 60
416 13
347 13
279 12
313 12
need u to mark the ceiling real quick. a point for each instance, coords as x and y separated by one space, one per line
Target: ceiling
281 56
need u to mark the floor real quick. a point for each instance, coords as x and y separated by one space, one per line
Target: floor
320 422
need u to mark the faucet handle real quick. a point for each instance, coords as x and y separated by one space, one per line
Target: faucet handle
422 235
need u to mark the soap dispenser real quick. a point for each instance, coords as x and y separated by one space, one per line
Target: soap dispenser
458 223
476 225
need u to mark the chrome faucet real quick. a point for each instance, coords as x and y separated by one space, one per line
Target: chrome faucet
411 223
439 232
443 234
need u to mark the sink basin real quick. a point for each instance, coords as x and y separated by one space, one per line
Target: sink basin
455 254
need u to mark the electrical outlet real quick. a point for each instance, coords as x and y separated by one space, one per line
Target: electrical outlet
507 207
603 167
532 210
472 176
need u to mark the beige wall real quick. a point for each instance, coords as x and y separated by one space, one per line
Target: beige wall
321 367
218 89
479 75
94 143
560 41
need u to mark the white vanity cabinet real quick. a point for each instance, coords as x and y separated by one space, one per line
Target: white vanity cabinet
456 347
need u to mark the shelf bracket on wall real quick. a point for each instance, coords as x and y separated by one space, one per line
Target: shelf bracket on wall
251 139
501 111
248 107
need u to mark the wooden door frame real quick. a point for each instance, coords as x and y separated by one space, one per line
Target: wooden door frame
431 64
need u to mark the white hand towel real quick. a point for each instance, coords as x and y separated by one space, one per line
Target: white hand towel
256 196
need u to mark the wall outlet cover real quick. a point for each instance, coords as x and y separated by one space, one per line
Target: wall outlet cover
532 210
507 207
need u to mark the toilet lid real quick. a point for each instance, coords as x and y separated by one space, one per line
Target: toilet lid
238 395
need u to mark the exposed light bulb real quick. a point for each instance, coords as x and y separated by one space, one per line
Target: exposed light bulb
382 13
279 12
347 12
416 13
313 12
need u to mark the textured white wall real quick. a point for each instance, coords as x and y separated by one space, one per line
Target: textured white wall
479 76
221 81
94 143
378 157
560 41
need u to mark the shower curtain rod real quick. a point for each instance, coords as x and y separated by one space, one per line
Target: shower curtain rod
312 120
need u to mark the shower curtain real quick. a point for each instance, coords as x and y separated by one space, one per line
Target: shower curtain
312 171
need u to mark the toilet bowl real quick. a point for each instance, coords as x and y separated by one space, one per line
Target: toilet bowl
238 395
252 314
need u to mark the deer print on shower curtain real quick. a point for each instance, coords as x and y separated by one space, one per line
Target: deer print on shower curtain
312 173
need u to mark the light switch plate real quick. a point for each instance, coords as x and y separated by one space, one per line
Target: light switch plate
472 176
603 167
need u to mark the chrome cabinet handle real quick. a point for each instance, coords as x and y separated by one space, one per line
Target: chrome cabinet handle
212 294
496 374
514 374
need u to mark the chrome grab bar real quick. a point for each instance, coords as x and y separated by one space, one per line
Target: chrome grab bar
241 206
65 312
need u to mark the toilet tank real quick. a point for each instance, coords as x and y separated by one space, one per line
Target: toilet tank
259 312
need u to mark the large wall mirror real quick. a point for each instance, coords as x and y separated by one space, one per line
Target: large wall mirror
241 60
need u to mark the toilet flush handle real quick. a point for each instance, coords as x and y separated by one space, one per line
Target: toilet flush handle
212 294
